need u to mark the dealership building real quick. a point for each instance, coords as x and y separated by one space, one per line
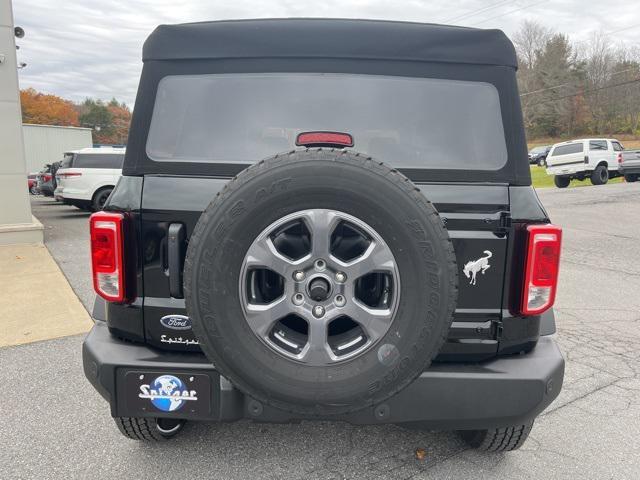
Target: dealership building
47 143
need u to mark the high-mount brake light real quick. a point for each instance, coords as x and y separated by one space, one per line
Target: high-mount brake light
541 270
324 139
107 255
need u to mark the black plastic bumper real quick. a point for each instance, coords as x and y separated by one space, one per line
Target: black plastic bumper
505 391
635 170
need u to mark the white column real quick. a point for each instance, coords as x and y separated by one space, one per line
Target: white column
17 225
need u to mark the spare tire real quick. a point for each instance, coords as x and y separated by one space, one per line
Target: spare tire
320 281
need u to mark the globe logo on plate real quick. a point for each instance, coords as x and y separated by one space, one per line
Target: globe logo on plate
167 393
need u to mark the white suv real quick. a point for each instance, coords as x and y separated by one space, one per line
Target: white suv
87 176
594 158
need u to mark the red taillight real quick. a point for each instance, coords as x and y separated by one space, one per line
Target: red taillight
619 157
46 178
331 139
107 255
541 270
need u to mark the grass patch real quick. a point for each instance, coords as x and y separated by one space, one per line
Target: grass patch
540 179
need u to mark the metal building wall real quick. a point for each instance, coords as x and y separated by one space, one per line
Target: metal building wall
47 143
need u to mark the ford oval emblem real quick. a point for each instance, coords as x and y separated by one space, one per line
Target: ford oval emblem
176 322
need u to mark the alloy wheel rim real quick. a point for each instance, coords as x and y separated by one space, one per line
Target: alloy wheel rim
319 287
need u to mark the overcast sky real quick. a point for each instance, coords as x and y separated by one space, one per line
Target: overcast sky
78 49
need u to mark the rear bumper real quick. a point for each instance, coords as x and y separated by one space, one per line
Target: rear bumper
67 198
75 195
629 169
577 169
501 392
46 189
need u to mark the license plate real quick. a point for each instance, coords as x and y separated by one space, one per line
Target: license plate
167 393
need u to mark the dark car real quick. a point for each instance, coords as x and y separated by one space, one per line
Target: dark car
313 224
32 183
538 155
629 164
46 179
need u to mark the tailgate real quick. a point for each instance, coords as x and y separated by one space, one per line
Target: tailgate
477 218
631 159
475 215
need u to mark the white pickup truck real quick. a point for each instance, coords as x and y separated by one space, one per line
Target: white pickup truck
630 165
594 158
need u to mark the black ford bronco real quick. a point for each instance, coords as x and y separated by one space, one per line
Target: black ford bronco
326 219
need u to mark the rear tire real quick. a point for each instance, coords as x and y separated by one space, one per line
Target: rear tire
497 439
561 182
631 177
600 175
149 429
100 198
33 190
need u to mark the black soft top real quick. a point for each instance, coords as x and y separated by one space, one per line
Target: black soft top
329 38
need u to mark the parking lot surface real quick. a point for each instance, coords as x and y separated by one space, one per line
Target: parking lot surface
56 426
66 235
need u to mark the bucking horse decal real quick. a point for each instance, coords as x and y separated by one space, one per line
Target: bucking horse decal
481 265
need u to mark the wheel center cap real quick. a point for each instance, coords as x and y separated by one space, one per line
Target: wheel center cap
319 289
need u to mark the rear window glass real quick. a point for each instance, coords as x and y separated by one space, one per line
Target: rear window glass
598 145
408 122
567 149
617 147
98 160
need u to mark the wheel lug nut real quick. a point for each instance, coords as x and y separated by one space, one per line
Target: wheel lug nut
341 277
318 311
320 264
298 299
298 275
340 301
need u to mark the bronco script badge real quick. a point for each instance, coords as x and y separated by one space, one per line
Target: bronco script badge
481 265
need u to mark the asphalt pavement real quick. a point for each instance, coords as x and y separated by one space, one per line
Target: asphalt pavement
56 426
66 235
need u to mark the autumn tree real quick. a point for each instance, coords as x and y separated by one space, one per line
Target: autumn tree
569 89
121 120
110 121
45 109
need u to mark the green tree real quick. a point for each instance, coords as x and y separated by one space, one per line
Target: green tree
95 114
558 72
